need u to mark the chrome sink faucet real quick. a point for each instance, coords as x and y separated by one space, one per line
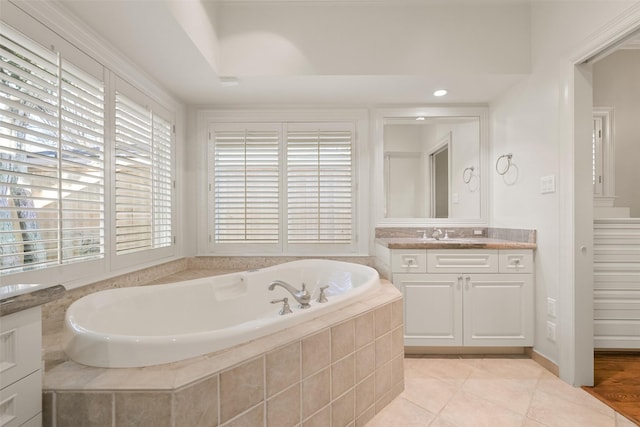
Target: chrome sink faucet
437 233
302 296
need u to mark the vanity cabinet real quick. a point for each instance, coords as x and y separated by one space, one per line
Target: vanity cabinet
21 368
466 297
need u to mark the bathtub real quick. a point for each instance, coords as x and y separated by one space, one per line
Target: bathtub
155 324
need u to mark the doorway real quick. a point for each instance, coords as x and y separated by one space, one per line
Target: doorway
579 357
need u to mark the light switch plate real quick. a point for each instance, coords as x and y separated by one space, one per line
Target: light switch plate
548 184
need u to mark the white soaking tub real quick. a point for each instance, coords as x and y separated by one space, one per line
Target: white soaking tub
150 325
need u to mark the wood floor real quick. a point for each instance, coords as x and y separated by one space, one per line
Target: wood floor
617 382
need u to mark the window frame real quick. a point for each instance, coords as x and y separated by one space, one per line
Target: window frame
65 54
357 118
93 58
320 247
607 160
241 247
119 261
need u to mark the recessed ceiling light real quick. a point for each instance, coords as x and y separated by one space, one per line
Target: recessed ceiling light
420 118
440 92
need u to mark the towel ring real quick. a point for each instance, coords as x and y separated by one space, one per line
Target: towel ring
466 177
503 170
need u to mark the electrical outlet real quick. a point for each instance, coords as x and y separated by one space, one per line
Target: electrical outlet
551 331
551 308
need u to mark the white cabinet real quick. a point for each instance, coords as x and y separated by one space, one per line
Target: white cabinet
469 298
20 368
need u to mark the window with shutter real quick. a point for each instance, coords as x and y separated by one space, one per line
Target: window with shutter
51 158
246 180
143 178
319 186
289 194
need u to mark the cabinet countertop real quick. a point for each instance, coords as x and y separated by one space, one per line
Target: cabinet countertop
453 243
42 295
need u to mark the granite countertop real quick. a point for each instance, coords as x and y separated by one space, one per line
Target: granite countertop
14 298
452 243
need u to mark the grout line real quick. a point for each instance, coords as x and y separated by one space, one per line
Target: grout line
264 389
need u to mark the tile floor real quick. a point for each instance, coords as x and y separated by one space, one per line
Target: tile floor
492 392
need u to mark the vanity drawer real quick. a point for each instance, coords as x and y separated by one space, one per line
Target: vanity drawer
462 261
21 401
516 261
409 261
20 345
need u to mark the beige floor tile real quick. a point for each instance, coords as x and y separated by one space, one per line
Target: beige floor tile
452 370
553 411
431 394
622 421
402 413
476 392
439 422
468 410
512 394
550 384
528 422
509 368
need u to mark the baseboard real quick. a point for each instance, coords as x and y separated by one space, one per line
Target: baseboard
467 351
543 361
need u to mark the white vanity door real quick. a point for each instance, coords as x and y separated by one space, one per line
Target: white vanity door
498 310
432 309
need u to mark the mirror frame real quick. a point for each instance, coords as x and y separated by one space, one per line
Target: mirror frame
480 111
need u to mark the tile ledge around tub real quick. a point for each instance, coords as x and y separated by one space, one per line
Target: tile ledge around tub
70 375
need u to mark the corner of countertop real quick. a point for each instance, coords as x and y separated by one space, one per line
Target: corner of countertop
31 299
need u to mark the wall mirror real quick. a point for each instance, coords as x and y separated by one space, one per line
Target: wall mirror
433 162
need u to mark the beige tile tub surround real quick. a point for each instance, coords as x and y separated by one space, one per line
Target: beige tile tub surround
330 371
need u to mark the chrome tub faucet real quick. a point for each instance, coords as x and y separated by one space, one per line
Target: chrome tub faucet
301 295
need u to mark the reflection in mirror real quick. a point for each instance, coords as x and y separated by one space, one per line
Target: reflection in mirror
425 159
440 178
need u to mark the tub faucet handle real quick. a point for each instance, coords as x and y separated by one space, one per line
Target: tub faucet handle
322 297
285 306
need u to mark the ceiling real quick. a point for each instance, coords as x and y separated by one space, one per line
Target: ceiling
171 48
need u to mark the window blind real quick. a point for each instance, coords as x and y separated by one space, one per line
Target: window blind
162 183
142 178
81 165
51 158
319 186
246 186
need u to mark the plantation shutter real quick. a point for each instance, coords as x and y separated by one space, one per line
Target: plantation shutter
51 158
162 183
82 165
319 185
142 179
246 185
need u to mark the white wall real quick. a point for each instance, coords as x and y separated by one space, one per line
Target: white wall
616 84
534 121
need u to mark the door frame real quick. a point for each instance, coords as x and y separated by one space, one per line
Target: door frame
576 302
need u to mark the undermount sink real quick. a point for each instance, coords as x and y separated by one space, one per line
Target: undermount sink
8 291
